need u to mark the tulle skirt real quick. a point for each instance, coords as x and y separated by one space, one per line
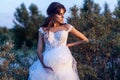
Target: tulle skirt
62 63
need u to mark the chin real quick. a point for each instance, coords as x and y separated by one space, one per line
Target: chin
61 23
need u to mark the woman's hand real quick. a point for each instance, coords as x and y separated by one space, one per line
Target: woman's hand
48 68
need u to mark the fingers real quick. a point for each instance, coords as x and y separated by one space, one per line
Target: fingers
49 68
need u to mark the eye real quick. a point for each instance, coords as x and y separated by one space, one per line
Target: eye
60 14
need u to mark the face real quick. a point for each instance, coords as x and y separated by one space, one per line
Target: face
59 18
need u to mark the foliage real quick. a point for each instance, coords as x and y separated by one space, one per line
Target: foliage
97 60
13 65
4 35
26 25
100 29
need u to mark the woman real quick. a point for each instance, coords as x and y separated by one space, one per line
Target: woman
56 61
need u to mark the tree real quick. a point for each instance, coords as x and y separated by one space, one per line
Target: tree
103 32
27 24
86 20
4 35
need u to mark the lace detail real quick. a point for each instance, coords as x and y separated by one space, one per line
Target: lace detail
70 28
41 30
55 39
57 56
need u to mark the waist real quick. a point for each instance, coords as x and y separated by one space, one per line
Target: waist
56 48
47 48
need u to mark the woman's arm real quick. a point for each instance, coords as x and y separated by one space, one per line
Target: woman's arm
40 48
82 37
75 43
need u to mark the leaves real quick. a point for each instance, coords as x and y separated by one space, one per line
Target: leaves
104 39
26 25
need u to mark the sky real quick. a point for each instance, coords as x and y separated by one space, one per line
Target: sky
8 7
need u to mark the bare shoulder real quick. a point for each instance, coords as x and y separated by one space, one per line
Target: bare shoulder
68 26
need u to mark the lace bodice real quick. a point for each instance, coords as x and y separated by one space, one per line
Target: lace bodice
55 39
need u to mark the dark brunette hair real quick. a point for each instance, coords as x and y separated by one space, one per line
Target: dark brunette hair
54 8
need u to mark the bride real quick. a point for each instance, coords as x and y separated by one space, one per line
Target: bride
55 61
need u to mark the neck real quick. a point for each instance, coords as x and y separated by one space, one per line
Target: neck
56 24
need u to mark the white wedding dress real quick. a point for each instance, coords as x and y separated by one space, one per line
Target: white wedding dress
57 56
